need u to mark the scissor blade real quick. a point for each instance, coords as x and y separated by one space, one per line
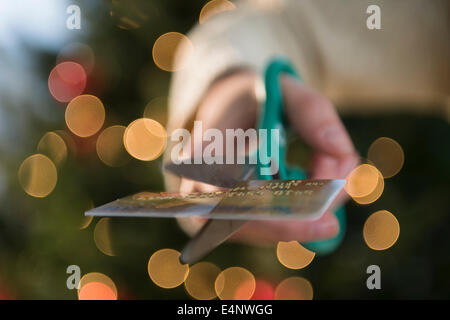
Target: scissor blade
221 175
213 233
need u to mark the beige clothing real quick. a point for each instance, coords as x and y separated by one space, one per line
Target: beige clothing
405 64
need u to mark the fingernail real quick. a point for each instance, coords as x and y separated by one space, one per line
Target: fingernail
336 138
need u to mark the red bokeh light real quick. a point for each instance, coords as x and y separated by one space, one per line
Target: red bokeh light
66 81
264 290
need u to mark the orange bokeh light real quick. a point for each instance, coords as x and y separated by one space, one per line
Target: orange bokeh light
172 51
293 255
145 139
215 7
110 148
96 291
235 283
294 288
85 115
362 181
97 286
381 230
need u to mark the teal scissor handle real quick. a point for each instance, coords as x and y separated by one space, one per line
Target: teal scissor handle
272 117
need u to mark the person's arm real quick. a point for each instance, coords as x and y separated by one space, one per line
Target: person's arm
224 96
335 54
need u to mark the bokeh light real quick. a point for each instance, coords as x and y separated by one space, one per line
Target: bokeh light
375 194
293 255
77 52
97 286
200 281
53 146
86 221
110 148
38 176
66 81
85 115
156 109
381 230
166 270
264 290
172 51
68 139
294 288
213 8
102 236
235 283
362 180
145 139
387 155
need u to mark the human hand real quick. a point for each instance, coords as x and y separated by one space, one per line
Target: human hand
231 103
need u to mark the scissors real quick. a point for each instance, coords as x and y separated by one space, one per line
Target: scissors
216 231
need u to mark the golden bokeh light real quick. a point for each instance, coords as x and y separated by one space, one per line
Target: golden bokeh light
66 81
166 270
110 148
387 155
97 286
215 7
172 51
86 221
293 255
294 288
85 115
235 283
145 139
38 176
381 230
156 109
200 281
68 140
102 236
375 194
53 146
362 180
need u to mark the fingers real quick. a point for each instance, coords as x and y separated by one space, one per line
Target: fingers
265 232
270 232
317 122
188 186
315 119
325 166
191 225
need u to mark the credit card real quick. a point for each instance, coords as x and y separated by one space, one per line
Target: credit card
248 200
